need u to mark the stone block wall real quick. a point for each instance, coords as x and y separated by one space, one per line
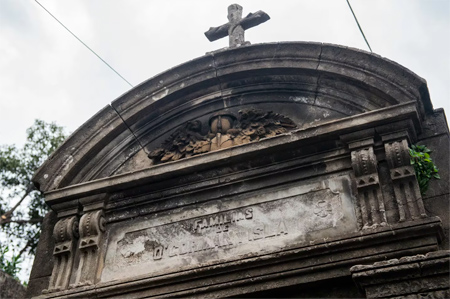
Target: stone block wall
10 288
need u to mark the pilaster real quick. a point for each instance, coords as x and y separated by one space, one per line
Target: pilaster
92 228
370 202
402 174
66 236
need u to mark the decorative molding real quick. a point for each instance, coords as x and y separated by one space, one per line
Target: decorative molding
65 234
406 187
92 227
295 138
419 276
225 130
370 198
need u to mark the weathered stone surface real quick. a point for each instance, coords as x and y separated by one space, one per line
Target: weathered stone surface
440 147
300 138
92 227
420 276
10 288
439 206
224 130
243 228
36 286
236 26
43 261
302 77
65 234
370 198
435 124
74 160
323 184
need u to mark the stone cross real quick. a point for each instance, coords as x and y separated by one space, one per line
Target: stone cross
236 26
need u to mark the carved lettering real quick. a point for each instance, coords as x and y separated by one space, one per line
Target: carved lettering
158 252
219 231
222 221
228 234
258 232
249 214
282 229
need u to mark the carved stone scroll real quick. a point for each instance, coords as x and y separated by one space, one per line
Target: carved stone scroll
65 234
225 130
92 226
370 197
406 187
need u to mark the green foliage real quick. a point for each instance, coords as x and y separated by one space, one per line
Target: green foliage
423 166
11 265
21 225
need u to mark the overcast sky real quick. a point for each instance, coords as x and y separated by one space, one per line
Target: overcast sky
46 73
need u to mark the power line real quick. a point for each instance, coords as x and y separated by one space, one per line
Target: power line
360 29
84 44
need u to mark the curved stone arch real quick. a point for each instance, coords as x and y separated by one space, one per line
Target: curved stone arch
311 75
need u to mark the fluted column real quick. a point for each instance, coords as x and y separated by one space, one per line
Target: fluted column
370 198
92 227
66 235
406 187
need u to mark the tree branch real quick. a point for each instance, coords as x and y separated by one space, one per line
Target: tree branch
25 247
5 218
22 221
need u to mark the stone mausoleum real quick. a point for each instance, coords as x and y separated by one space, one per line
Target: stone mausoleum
267 170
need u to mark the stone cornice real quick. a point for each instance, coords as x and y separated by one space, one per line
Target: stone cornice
155 173
343 80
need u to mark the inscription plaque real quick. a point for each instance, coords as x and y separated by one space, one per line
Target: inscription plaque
247 227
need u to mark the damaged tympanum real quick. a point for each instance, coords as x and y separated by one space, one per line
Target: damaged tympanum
225 130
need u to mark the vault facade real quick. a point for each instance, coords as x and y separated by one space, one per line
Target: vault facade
260 170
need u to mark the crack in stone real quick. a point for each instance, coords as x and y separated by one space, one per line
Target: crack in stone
217 77
276 51
318 77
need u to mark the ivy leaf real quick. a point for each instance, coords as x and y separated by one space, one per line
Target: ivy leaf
423 166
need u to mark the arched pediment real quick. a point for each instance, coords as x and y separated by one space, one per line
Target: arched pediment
308 83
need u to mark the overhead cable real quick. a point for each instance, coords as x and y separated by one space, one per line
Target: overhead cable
360 29
84 44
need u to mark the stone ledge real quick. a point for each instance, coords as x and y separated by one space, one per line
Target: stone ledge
402 260
196 163
327 259
416 276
